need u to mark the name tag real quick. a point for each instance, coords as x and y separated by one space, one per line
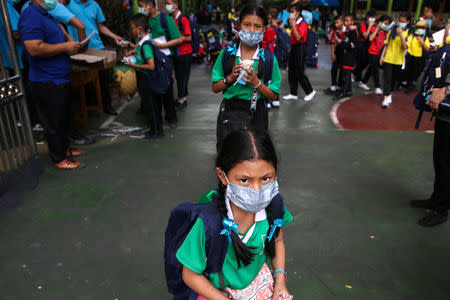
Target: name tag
438 72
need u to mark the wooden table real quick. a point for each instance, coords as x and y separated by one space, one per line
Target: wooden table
81 75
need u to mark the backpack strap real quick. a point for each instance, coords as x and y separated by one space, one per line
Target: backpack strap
163 21
180 23
147 42
278 209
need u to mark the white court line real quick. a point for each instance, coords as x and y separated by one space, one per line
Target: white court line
333 113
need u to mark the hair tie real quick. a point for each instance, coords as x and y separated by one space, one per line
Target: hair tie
276 223
228 225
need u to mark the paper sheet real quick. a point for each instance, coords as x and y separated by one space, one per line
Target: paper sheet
162 40
439 36
86 40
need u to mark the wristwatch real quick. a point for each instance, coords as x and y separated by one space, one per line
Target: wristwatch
226 81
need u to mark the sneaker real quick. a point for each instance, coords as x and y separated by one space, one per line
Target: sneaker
71 152
386 102
378 91
268 105
38 127
363 86
180 105
68 164
276 104
333 88
310 96
290 97
353 77
434 218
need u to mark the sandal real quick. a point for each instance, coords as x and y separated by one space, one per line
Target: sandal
69 165
71 152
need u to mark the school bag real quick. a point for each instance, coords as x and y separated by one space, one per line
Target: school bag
195 33
435 77
213 41
231 120
282 47
311 45
160 78
181 220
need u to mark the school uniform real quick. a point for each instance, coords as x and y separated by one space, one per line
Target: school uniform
335 35
183 58
346 59
192 252
415 61
172 33
297 59
270 38
237 97
393 61
361 53
374 52
151 101
49 78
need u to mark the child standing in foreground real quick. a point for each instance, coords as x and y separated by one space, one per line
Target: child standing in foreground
335 40
393 57
245 198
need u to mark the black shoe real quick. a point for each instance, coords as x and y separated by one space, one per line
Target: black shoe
173 125
150 135
434 218
428 204
341 96
110 110
180 105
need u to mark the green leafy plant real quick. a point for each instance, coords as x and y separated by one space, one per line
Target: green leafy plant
117 19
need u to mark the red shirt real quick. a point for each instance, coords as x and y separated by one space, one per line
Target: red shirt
184 48
378 42
362 30
302 29
336 34
269 38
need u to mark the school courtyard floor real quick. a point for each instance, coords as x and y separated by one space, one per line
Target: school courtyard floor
98 233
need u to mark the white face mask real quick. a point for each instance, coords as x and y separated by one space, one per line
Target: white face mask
143 11
292 15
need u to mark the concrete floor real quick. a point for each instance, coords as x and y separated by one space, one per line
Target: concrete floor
98 233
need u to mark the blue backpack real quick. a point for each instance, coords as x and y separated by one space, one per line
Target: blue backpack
195 33
282 47
441 60
160 78
311 45
181 220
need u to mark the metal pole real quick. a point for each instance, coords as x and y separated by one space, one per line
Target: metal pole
419 9
389 10
15 60
352 4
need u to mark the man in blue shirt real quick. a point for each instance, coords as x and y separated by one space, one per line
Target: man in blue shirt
49 76
64 16
90 13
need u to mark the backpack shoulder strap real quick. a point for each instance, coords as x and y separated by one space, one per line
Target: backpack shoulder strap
265 68
147 42
163 21
228 59
278 209
180 22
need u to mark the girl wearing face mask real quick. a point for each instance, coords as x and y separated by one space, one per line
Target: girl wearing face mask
363 45
393 57
247 167
376 40
297 56
415 61
237 73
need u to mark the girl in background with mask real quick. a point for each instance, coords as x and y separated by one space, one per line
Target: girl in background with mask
246 163
393 57
247 54
297 56
376 39
415 60
363 46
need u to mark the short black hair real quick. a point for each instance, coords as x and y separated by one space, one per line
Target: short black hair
273 12
149 1
350 16
371 13
140 21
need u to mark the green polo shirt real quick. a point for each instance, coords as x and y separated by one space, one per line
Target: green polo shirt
192 254
148 53
244 92
157 30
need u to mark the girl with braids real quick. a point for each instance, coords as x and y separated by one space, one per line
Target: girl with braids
242 73
247 167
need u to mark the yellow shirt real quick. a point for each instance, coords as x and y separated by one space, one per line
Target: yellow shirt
414 47
395 54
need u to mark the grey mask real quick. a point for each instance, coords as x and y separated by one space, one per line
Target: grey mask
251 200
251 38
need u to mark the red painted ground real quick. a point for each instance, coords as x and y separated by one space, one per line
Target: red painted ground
364 112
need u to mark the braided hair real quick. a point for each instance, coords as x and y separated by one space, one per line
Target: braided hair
237 147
